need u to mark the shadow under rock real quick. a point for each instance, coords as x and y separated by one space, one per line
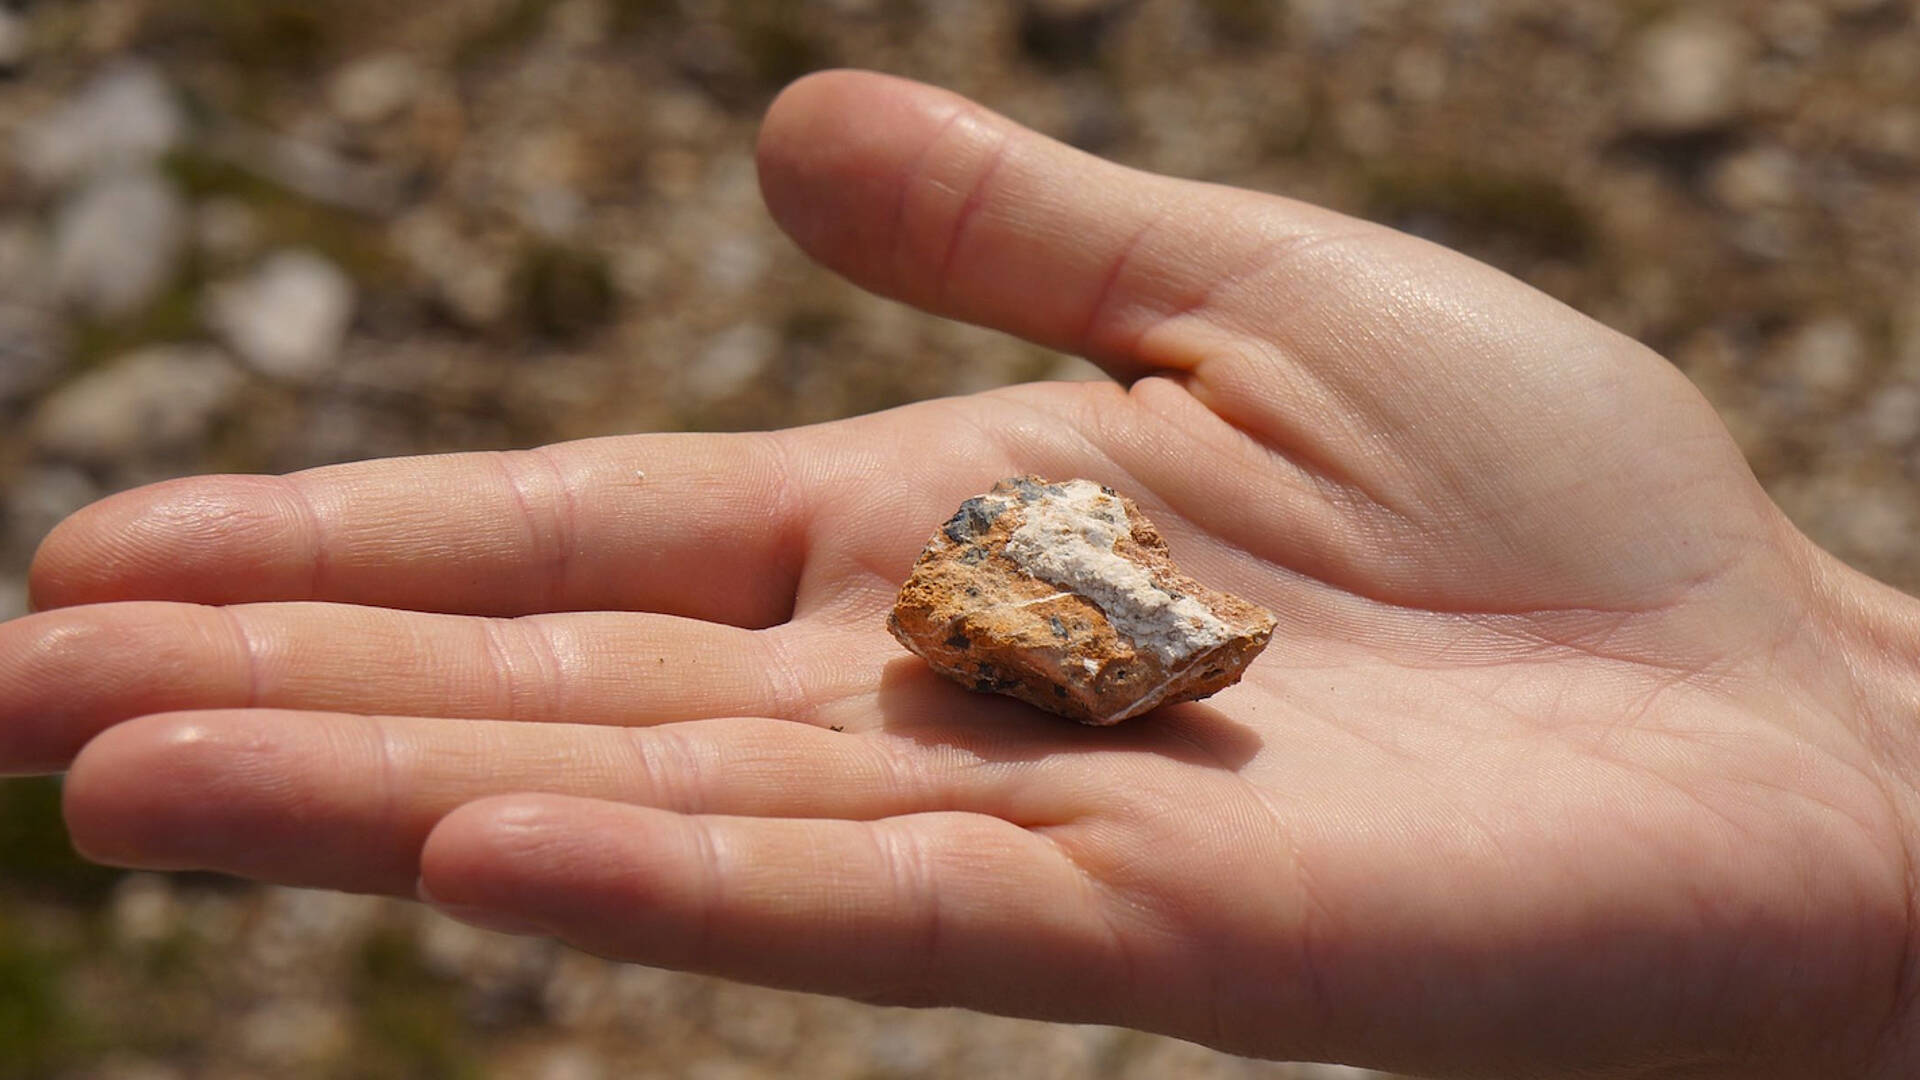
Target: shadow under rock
919 704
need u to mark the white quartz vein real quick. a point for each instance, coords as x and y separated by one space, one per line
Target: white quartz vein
1067 539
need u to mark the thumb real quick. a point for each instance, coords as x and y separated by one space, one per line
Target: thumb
924 196
1497 450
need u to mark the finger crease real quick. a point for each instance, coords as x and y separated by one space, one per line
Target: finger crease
317 565
670 767
1083 341
504 668
792 524
551 542
566 524
537 639
910 178
909 867
788 689
963 221
250 658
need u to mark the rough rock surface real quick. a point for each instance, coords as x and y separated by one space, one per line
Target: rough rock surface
1063 595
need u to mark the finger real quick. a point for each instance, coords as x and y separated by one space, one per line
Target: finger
704 526
947 907
934 200
67 675
345 802
1427 395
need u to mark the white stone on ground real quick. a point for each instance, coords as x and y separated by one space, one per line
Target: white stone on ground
1685 74
16 38
126 117
289 317
117 241
38 497
144 404
13 598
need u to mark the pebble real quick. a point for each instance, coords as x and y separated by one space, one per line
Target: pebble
374 89
1685 72
1757 178
150 403
125 117
731 360
13 597
32 351
289 317
117 242
40 497
144 911
291 1033
1827 355
16 39
1893 415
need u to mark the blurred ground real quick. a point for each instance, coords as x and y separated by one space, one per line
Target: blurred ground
267 234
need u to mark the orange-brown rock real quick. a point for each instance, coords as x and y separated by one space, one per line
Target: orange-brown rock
1063 595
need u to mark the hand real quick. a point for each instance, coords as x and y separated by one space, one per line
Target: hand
1569 753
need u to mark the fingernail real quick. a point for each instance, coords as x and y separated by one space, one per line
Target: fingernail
482 918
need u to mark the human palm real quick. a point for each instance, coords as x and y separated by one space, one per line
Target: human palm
1556 760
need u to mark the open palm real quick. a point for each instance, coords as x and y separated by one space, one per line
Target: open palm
1550 765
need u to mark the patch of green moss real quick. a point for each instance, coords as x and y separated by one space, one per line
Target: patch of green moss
280 37
514 24
410 1025
633 15
1242 23
37 1035
566 293
287 218
172 316
777 39
36 858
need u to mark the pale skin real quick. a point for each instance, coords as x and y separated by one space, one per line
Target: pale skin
1570 755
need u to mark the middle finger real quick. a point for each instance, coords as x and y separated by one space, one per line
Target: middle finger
68 674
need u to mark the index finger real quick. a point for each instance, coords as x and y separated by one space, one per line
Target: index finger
705 526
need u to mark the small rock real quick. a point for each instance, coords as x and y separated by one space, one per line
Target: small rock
40 497
1757 178
466 272
15 39
144 910
150 402
731 360
1685 74
32 351
1064 596
117 242
1893 415
13 598
1828 355
292 1033
289 317
126 117
374 89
